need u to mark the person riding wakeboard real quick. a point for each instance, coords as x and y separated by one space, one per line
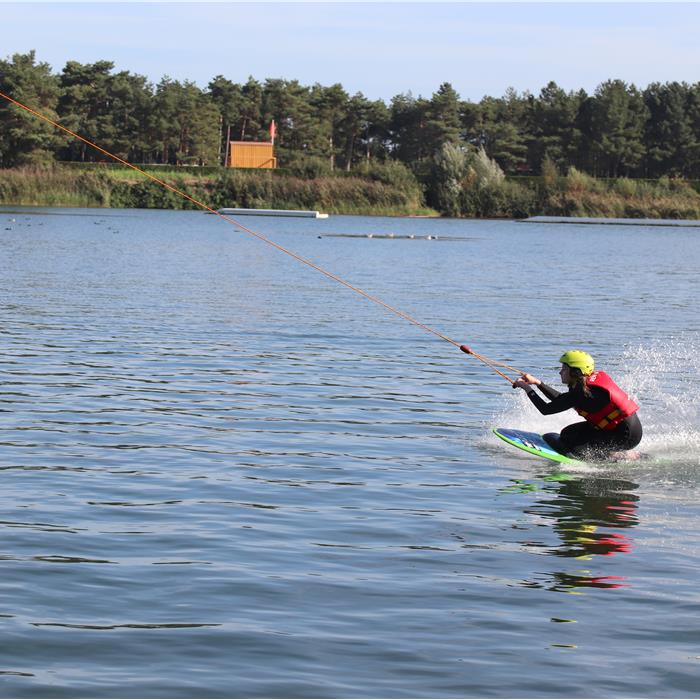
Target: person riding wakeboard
611 425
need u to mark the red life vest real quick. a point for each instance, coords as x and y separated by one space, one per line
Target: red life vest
613 413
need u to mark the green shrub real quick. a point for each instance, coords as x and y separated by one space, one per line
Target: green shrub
376 188
551 176
576 181
309 167
625 187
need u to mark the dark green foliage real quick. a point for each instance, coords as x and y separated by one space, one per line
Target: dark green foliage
451 177
408 121
323 132
553 125
309 167
24 139
443 124
185 124
617 128
390 172
672 135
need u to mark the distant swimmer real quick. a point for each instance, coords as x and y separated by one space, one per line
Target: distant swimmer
611 425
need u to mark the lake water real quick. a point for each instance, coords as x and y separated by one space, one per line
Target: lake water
224 475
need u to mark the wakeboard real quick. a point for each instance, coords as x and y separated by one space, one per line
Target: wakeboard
533 443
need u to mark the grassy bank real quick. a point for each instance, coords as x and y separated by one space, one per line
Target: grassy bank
389 190
377 192
578 194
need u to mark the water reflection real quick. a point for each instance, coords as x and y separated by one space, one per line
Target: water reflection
592 516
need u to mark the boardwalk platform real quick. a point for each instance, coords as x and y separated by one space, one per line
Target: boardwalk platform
687 223
273 212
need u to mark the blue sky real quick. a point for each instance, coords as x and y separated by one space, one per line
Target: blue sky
378 48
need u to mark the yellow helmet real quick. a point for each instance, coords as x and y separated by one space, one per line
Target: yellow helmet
578 359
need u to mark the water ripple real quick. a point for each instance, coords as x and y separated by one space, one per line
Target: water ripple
224 477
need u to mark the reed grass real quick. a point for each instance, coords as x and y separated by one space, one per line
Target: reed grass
380 192
124 188
578 194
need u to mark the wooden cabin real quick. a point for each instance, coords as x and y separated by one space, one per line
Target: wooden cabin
251 154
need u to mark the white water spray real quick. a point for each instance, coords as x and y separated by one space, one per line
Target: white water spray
661 377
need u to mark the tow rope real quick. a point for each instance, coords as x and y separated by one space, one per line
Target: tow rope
493 364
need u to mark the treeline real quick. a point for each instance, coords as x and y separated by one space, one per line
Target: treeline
454 153
620 130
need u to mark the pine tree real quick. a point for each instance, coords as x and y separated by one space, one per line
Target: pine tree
618 119
24 139
443 123
669 137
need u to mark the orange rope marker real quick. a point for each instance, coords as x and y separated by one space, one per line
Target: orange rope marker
464 348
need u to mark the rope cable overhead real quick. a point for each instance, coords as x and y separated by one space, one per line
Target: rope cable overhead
493 364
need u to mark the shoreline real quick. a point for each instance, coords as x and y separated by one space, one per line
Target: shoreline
573 198
19 209
607 221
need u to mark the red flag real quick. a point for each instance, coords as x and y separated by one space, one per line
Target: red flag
273 130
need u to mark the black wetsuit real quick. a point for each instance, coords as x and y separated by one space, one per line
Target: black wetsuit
580 437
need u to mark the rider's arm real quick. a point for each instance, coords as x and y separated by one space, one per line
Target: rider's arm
559 403
548 391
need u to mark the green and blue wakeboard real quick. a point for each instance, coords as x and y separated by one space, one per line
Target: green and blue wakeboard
534 444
